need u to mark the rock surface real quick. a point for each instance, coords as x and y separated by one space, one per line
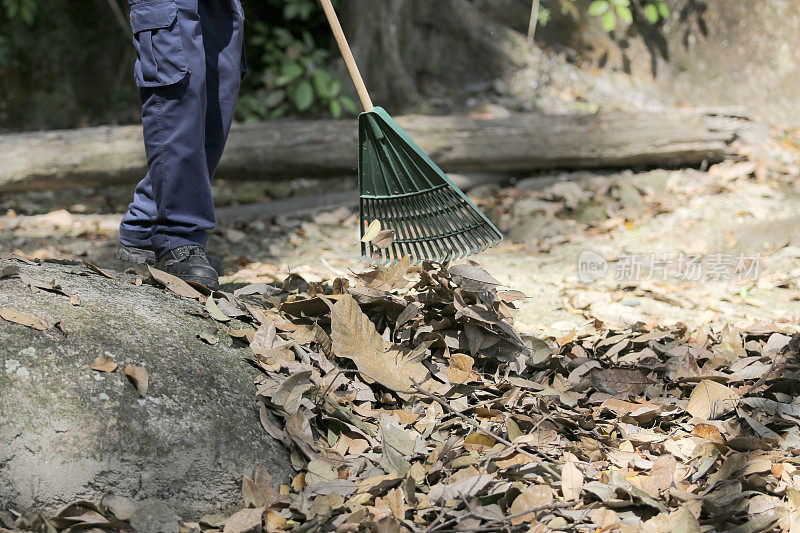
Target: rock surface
68 432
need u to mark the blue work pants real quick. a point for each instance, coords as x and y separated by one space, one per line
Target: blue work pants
189 68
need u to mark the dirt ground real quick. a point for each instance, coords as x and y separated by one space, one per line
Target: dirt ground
658 246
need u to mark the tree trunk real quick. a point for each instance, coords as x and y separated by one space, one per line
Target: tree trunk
327 148
413 48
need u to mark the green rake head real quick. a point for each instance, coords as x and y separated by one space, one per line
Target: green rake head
405 190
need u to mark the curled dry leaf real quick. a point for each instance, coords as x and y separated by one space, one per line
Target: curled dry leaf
372 231
98 270
174 284
384 238
104 363
138 375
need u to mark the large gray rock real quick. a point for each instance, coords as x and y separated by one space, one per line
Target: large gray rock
69 433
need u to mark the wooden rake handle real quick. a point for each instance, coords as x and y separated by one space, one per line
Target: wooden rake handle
347 54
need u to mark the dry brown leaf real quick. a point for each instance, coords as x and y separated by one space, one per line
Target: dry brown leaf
571 481
104 363
478 441
394 498
174 284
251 495
710 400
138 375
531 498
660 478
464 488
245 521
686 523
98 270
215 312
354 337
472 278
384 238
24 319
708 432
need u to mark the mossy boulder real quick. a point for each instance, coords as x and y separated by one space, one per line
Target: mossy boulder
69 433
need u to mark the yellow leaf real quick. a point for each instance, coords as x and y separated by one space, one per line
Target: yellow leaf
372 231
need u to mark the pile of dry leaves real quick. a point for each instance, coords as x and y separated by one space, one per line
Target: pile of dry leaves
410 403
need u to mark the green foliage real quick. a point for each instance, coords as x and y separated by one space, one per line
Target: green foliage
613 12
288 61
24 9
10 10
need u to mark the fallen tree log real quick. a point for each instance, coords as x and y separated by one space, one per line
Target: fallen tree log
293 148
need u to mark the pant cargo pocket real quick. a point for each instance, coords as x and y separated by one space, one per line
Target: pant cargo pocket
160 56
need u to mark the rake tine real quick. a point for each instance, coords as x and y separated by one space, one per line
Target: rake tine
463 244
427 215
420 246
467 213
448 227
432 245
413 244
411 231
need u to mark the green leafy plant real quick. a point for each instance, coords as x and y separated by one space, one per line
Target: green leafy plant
289 64
24 9
612 12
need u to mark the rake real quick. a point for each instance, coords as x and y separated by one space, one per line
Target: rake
403 189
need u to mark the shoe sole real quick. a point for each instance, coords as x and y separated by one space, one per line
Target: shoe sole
205 282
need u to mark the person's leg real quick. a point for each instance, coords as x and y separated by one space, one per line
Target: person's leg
169 65
137 224
174 121
221 32
222 24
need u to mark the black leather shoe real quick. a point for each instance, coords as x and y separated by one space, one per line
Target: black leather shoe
141 256
190 264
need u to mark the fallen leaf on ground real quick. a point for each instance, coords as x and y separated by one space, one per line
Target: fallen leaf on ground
24 319
104 363
174 284
354 337
710 400
138 375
